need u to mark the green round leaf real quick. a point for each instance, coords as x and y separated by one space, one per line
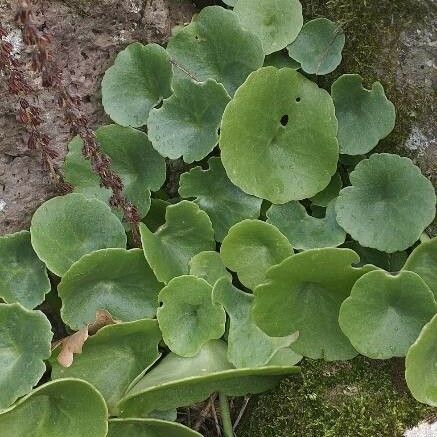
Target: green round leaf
66 407
133 158
116 280
384 314
318 46
23 277
286 151
329 193
179 381
276 22
63 229
248 346
187 122
139 79
421 365
188 317
304 294
285 357
389 204
123 350
303 231
281 60
186 232
156 215
208 266
225 203
214 46
25 337
364 116
148 428
251 248
423 261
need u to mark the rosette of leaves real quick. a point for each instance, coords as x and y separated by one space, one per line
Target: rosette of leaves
421 365
148 428
318 46
188 317
23 276
248 346
384 314
67 407
304 293
139 79
251 248
177 381
186 125
209 266
118 281
388 205
63 229
304 231
124 349
289 150
215 46
364 116
133 158
225 203
276 22
186 232
25 337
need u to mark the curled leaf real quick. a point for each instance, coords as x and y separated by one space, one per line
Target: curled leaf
72 345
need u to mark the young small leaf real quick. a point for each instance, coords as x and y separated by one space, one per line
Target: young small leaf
209 266
148 428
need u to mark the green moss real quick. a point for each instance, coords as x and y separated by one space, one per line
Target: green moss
358 398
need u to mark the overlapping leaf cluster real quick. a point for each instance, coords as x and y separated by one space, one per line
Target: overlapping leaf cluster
255 264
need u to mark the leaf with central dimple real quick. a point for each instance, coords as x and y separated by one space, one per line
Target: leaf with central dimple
148 428
251 248
25 337
384 314
65 228
364 116
304 293
286 151
23 276
224 202
187 122
215 46
186 232
303 231
389 204
318 46
248 346
276 22
133 158
116 280
188 317
208 265
114 357
139 79
66 407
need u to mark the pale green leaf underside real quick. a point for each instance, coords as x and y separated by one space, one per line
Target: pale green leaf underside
148 428
209 266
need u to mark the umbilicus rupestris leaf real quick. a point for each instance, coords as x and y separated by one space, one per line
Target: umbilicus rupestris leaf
188 317
389 204
208 265
139 79
225 203
384 314
23 276
148 428
65 228
25 338
286 151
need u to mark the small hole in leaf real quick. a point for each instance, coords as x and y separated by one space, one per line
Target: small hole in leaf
422 67
298 99
284 120
218 131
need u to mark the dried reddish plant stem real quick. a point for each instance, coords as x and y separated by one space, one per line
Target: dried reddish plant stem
51 77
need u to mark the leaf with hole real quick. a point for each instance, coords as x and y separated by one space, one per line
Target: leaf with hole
224 202
23 276
188 317
364 116
209 266
288 150
186 125
384 314
215 46
251 248
139 79
389 204
148 428
304 293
